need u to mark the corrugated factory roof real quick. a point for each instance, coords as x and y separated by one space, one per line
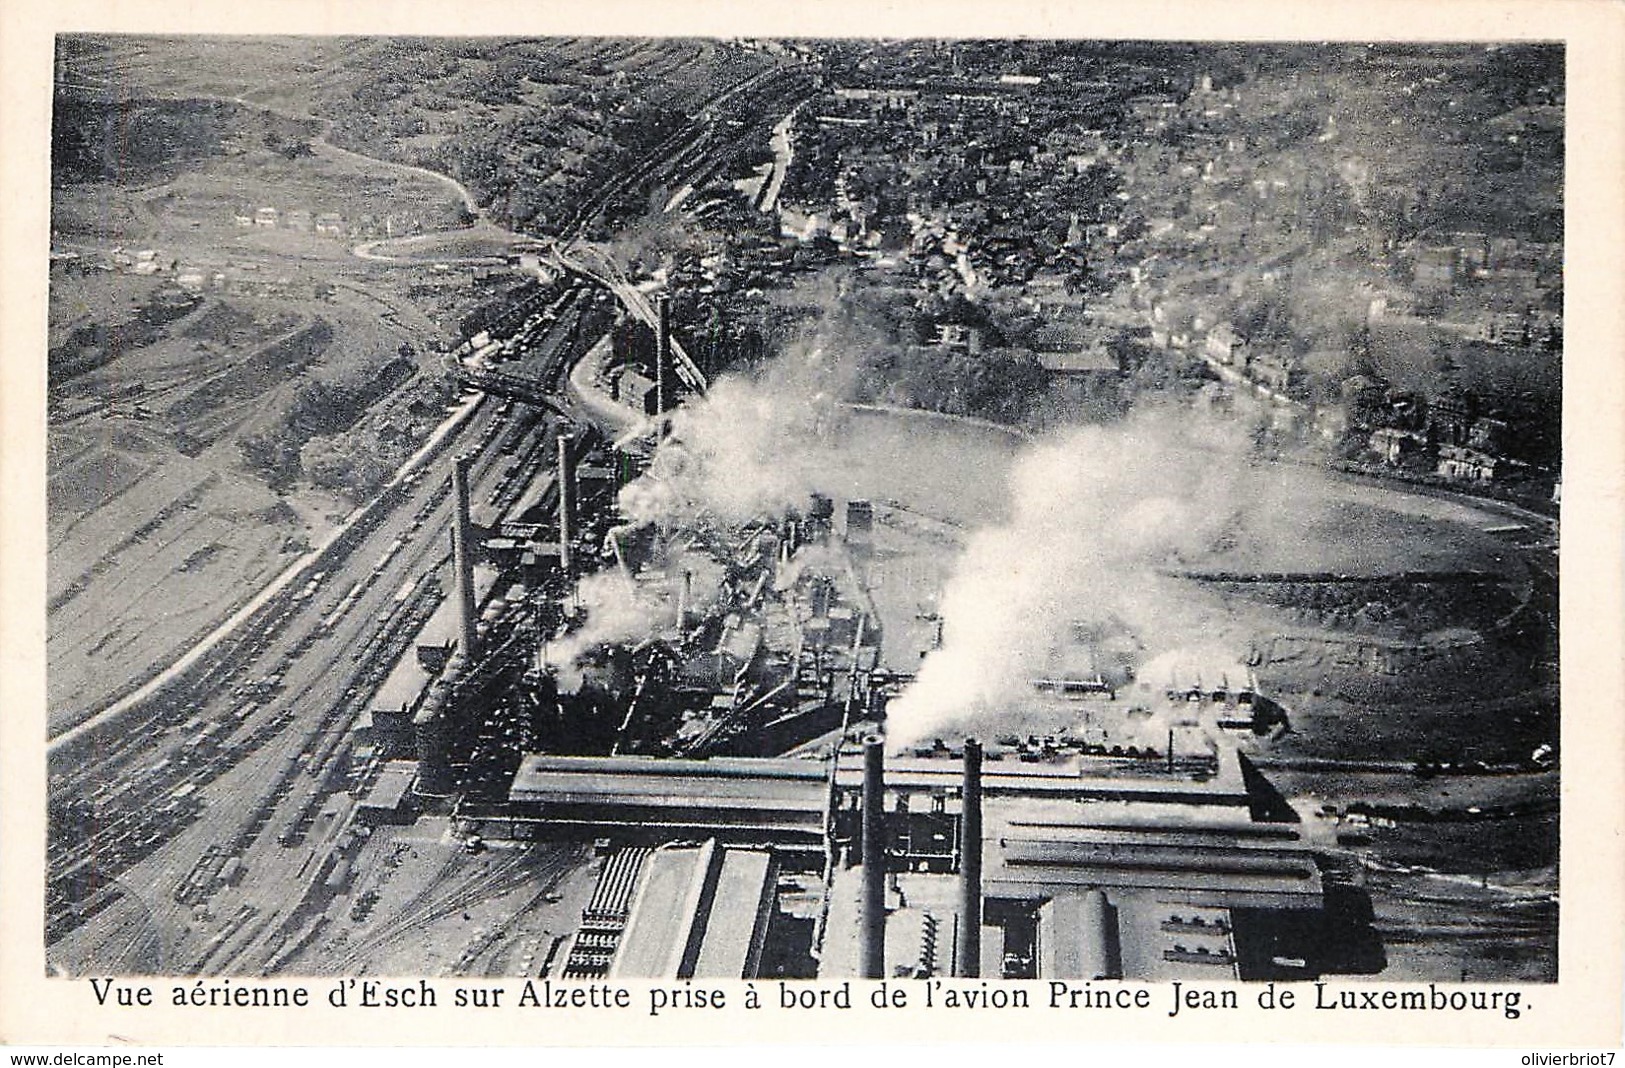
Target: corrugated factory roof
734 927
701 784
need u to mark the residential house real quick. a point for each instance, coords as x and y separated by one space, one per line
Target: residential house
1466 464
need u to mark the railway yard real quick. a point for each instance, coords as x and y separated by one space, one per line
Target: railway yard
259 711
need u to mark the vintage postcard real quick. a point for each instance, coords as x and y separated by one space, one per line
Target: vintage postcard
737 525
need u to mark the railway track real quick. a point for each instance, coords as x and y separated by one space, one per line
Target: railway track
432 905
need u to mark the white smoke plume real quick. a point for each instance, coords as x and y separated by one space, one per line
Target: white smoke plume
1096 512
751 446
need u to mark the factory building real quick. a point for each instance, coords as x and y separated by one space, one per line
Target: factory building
387 722
860 525
1078 938
1204 686
782 802
1137 842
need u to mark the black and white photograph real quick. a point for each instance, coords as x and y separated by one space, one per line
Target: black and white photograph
682 508
941 509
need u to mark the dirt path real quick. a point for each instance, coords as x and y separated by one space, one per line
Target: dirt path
321 146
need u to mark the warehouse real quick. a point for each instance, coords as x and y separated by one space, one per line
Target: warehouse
735 799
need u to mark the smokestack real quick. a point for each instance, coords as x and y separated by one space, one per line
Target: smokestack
662 354
684 599
970 865
873 956
462 553
567 504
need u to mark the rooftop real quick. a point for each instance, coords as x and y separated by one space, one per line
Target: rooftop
663 913
700 911
1071 778
787 785
392 786
737 920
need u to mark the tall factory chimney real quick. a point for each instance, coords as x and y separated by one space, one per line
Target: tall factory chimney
872 959
567 504
970 866
462 553
663 354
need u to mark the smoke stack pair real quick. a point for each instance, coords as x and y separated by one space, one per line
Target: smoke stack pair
462 552
969 964
872 963
567 504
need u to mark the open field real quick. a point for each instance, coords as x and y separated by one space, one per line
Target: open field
274 71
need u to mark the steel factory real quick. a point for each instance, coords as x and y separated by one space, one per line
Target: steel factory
704 702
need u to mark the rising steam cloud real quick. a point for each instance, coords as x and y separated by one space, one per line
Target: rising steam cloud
1096 512
751 446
